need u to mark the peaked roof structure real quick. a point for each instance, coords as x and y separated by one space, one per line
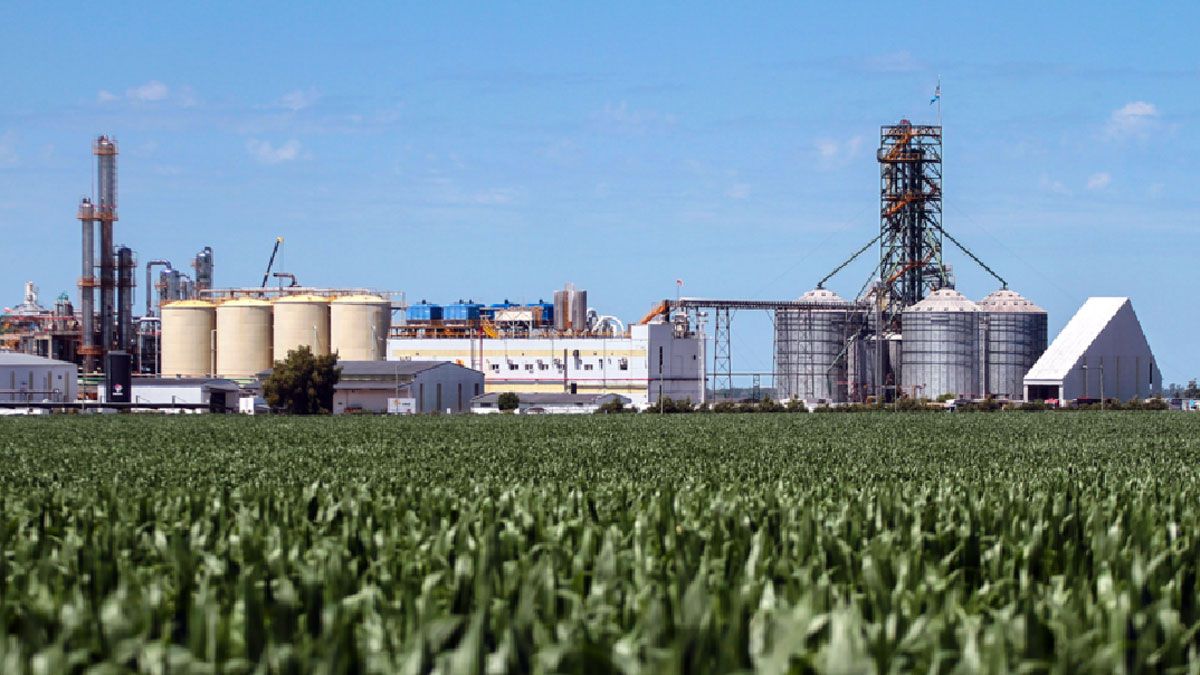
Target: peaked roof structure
1096 315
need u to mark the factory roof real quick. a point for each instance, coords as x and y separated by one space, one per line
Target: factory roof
1080 332
944 300
211 382
20 359
551 398
381 369
1005 300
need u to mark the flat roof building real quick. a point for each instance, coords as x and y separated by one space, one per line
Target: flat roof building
25 378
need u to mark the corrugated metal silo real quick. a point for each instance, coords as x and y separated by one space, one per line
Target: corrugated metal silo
1016 338
301 320
941 348
811 348
244 328
187 348
359 327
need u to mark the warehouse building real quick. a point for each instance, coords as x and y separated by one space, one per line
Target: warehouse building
407 387
652 360
32 379
1101 353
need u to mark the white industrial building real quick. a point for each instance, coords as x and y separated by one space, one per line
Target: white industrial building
652 360
406 387
551 404
219 395
1101 353
34 379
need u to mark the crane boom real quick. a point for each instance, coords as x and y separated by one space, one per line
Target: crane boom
271 262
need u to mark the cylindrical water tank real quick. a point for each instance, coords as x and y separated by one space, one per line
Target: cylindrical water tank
1016 339
301 320
941 348
243 337
811 348
187 347
359 326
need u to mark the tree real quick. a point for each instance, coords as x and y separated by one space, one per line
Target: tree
507 401
302 384
1192 391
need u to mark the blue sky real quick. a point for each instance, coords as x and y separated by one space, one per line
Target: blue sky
496 151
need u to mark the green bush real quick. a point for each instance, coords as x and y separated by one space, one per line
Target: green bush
508 401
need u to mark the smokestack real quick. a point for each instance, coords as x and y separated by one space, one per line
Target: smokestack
87 287
105 150
126 266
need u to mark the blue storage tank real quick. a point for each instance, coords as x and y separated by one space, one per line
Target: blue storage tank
424 312
462 311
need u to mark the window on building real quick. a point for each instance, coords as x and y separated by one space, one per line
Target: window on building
623 364
495 367
587 366
529 367
512 366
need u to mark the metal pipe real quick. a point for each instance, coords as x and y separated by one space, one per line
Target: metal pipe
149 287
105 150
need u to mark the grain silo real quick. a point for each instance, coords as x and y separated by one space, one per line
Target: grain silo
187 339
243 337
359 327
811 348
1016 338
942 347
301 320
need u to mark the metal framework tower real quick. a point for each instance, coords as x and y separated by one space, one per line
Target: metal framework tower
910 217
722 352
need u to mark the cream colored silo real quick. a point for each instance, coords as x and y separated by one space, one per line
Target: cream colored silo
187 346
359 326
301 320
243 337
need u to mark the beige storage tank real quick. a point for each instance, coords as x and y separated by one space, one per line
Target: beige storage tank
243 338
301 320
187 347
359 326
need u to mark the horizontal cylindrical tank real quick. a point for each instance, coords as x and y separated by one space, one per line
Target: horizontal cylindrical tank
187 340
811 348
942 347
359 327
1016 338
301 320
424 312
244 329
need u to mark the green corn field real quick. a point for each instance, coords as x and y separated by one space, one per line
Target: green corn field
872 543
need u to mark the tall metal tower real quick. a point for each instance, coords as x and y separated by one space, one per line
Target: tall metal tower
910 218
105 213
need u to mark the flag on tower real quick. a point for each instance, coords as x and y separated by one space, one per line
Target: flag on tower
937 93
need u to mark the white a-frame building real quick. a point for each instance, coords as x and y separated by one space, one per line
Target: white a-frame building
1101 353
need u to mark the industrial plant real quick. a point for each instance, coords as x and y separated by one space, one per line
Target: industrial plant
906 333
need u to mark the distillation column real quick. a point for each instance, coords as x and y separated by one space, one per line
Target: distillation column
105 150
87 287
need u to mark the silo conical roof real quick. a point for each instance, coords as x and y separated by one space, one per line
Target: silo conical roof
1005 300
944 300
823 295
